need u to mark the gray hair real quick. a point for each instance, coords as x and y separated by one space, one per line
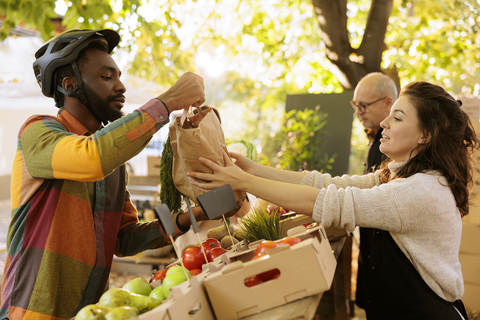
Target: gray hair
384 85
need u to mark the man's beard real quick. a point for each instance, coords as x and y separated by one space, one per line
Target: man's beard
100 108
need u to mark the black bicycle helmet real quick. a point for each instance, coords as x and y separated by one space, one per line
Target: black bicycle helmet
63 50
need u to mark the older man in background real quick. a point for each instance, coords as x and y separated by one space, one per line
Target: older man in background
372 100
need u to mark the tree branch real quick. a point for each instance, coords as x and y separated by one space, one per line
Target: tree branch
332 18
373 42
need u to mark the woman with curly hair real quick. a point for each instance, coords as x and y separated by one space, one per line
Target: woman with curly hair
415 203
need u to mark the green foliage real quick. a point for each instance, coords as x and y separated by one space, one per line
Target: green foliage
300 139
260 225
280 38
169 194
29 13
270 48
436 41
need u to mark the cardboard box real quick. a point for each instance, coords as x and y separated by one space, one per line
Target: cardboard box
246 251
290 221
305 269
187 301
470 239
470 268
474 215
470 298
470 259
153 165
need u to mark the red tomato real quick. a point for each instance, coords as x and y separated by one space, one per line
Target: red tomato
215 252
193 258
159 276
269 275
274 209
263 248
310 225
252 281
194 272
209 244
289 240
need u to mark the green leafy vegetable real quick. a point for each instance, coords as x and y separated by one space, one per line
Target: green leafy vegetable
261 225
169 194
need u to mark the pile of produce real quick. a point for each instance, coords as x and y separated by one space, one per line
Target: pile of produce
136 297
139 295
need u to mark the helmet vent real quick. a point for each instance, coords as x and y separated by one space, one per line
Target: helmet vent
60 45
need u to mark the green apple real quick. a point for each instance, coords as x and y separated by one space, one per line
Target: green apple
138 286
157 293
172 280
177 269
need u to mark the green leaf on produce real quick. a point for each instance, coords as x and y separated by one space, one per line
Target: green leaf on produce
260 225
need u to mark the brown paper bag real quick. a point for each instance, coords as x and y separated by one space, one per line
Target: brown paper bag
191 137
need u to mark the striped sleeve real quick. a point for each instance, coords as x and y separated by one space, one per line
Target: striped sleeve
52 152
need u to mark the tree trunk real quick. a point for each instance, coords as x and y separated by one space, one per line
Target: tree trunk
351 64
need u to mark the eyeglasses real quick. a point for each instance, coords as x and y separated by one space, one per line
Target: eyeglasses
363 106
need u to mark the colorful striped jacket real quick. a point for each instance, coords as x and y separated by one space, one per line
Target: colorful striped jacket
71 211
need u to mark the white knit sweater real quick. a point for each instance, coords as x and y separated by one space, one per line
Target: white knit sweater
419 212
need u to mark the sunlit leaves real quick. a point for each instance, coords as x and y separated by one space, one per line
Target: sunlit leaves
269 48
29 13
436 41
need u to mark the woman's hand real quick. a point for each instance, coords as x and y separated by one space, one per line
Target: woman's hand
230 174
243 162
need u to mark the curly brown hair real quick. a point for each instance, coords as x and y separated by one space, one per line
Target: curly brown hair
453 141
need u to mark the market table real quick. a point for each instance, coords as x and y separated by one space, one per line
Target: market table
305 308
141 263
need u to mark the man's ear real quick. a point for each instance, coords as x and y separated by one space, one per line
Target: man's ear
388 103
69 83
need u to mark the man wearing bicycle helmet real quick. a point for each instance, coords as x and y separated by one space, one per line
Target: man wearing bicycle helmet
71 210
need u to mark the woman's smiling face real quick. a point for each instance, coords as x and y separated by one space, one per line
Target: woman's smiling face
401 131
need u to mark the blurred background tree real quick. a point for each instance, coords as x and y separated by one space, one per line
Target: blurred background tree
253 53
297 143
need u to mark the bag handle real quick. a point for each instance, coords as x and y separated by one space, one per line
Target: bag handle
185 113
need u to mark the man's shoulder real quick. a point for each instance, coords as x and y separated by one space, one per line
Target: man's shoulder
41 117
36 119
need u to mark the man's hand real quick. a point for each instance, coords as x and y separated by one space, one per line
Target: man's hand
235 211
188 89
184 220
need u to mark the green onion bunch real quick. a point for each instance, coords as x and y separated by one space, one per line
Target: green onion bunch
260 225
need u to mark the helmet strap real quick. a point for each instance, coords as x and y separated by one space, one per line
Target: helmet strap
79 91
